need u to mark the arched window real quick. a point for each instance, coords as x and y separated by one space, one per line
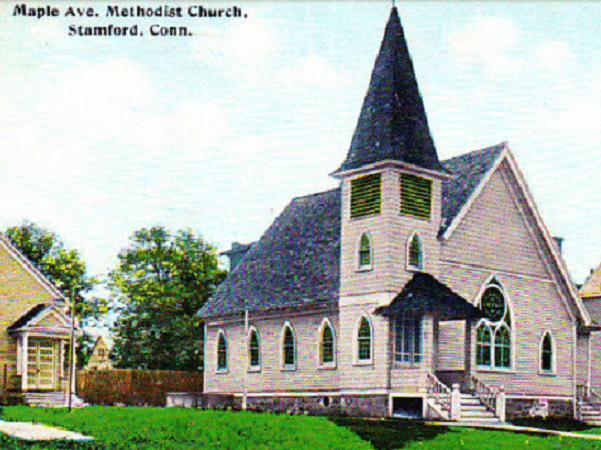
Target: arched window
364 340
254 349
415 253
493 338
326 344
288 347
546 353
221 351
365 251
502 347
483 339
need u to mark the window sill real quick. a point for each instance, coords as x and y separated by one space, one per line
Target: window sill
254 369
407 366
331 366
222 371
290 368
366 362
487 369
545 373
365 268
414 269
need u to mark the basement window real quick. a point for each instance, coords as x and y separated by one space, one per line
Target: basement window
366 195
416 196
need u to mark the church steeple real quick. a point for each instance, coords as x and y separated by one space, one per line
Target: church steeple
392 124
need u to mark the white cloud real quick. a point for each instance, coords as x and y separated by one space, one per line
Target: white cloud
314 71
554 55
242 49
488 43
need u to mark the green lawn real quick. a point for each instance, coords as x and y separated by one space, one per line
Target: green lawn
160 428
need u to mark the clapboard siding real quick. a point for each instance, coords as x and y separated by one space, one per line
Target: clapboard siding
19 292
496 232
389 232
308 375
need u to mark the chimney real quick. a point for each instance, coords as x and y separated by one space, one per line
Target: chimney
237 252
559 241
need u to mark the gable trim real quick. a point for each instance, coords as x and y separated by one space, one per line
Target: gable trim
392 163
30 268
475 194
552 247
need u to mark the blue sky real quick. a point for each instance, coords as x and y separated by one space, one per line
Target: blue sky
218 131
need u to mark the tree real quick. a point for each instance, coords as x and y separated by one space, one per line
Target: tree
163 279
65 268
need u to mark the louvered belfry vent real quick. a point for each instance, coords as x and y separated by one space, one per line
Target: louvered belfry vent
366 197
416 196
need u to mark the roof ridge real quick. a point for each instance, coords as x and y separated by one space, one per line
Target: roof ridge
315 194
499 146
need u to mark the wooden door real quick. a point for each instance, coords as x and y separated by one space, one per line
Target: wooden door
40 364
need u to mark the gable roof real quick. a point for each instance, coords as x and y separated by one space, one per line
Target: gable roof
392 124
30 268
470 169
423 293
296 261
592 285
38 317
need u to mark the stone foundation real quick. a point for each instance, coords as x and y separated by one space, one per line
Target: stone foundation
319 405
528 407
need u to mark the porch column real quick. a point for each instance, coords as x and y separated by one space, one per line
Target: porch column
24 361
435 334
468 358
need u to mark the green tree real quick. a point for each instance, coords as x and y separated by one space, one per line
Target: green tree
163 279
64 267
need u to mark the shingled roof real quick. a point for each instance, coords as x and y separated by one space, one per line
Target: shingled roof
297 260
425 294
469 169
392 124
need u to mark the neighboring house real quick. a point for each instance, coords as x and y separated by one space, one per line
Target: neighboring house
590 292
100 356
414 275
34 327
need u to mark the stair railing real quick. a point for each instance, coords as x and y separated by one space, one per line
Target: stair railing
440 392
587 394
485 394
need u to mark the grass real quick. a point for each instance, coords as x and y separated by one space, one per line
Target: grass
173 428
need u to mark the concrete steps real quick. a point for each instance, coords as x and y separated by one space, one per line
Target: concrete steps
474 411
590 414
52 400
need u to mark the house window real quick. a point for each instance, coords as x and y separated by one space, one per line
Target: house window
254 349
364 340
483 339
408 339
326 347
365 195
546 354
493 338
288 350
365 251
415 254
416 196
221 351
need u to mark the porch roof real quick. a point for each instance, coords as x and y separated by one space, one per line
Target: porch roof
424 294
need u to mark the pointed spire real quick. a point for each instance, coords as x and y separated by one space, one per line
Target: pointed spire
392 124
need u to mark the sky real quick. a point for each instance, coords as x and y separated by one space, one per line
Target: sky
217 131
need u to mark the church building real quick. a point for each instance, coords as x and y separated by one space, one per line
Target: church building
417 288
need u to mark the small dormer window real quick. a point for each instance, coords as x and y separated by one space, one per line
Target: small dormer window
416 196
365 252
366 195
415 254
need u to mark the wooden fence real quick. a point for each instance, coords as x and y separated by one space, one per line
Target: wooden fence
134 387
